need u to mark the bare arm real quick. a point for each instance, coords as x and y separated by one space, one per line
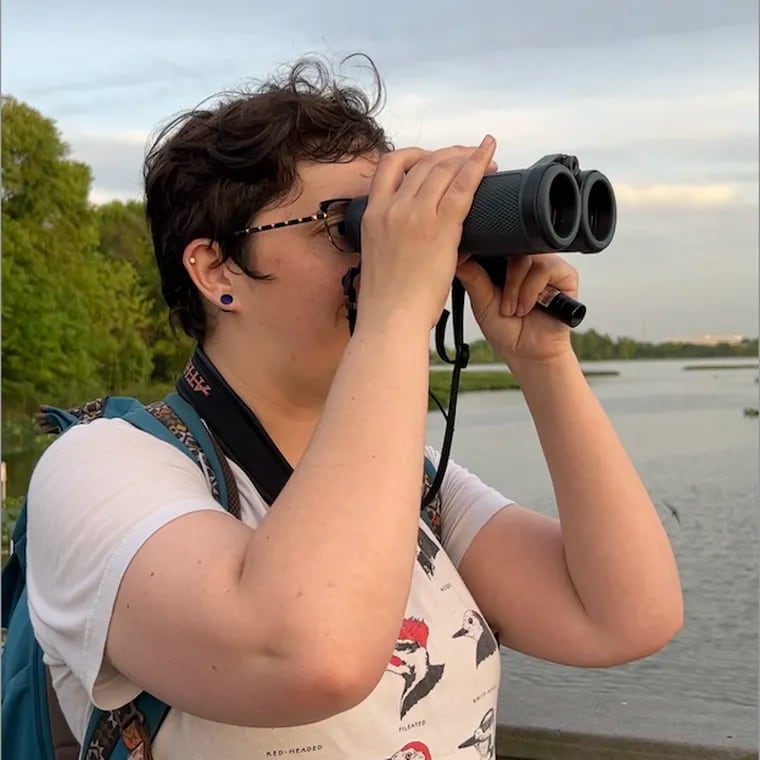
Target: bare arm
600 586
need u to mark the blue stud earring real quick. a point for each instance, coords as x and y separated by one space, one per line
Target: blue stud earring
226 299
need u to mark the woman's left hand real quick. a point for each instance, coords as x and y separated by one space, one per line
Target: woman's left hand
517 330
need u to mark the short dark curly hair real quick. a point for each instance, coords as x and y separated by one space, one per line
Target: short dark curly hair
213 168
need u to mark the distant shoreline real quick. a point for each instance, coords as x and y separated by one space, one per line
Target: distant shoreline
697 367
592 346
484 380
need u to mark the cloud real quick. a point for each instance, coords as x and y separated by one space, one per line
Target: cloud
102 195
675 269
676 195
116 162
612 121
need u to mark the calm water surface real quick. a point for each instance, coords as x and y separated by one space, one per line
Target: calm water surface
698 455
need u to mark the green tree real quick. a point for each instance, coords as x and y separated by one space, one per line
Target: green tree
123 358
64 304
124 237
47 228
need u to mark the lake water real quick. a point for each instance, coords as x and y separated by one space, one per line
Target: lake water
698 454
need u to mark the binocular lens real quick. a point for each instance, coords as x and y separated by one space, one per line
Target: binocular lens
563 205
600 209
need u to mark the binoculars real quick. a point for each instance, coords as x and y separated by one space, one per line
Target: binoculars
549 207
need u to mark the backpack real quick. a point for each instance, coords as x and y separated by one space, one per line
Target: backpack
34 727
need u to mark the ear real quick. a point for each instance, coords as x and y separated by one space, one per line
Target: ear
202 259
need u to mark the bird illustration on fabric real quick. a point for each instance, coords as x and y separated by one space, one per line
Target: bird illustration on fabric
427 549
475 627
412 751
411 661
483 737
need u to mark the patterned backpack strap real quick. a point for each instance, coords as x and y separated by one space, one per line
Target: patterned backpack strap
168 417
431 513
124 733
52 420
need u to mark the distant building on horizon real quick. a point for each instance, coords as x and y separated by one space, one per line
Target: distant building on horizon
710 339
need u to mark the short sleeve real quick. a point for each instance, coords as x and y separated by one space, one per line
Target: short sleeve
467 504
97 494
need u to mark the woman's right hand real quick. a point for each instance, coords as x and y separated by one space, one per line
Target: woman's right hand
412 227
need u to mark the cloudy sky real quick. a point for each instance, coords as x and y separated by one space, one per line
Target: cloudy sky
661 95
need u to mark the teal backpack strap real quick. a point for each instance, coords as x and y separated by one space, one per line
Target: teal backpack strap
116 734
431 513
430 469
14 570
201 443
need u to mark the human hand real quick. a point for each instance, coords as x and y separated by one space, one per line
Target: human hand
517 330
412 227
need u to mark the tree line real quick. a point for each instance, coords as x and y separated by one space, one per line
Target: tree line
82 310
594 346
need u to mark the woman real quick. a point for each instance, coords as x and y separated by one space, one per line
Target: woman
334 622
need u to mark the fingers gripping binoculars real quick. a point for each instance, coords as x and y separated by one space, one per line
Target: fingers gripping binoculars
549 207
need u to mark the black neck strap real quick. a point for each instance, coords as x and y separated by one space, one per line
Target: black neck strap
460 361
243 438
235 427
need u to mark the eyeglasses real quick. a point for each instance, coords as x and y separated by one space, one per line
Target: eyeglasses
331 212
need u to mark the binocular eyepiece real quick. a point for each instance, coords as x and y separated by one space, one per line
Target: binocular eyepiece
549 207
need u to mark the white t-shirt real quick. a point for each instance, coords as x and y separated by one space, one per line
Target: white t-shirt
103 488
